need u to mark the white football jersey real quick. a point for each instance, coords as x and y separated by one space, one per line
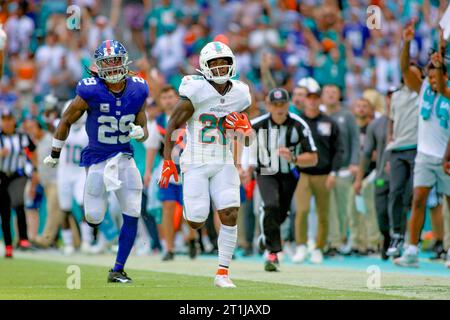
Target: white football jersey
69 160
206 139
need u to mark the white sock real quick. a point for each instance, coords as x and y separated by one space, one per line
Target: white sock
226 242
412 249
67 237
86 232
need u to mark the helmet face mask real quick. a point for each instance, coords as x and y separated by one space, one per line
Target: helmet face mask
213 51
111 59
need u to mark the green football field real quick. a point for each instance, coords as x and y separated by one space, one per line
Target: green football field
30 279
45 275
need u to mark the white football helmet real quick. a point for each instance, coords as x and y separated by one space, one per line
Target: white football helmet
309 83
214 50
79 124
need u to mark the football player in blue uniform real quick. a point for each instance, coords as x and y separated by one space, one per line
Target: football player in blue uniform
114 101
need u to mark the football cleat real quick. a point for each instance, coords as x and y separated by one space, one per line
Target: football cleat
68 250
223 281
169 256
271 263
118 276
8 251
192 249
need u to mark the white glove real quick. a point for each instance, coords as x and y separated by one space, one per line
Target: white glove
136 132
3 38
51 162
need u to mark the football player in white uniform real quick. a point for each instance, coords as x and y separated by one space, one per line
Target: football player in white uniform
70 180
212 104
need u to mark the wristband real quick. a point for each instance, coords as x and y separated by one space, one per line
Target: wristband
58 144
55 154
333 173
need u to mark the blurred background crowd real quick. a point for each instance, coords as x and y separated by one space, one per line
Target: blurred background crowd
47 53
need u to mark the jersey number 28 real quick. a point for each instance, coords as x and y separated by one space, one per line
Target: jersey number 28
110 125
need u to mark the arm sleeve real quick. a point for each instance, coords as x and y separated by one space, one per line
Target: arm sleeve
354 140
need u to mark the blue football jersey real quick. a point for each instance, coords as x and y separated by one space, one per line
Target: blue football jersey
109 117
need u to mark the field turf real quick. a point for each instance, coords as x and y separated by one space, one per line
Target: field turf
33 279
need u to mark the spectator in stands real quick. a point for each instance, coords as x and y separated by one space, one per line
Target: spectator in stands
48 62
19 28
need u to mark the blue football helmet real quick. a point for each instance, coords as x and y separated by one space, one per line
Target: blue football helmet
111 59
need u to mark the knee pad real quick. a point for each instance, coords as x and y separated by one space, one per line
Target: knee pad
133 205
229 198
94 184
196 209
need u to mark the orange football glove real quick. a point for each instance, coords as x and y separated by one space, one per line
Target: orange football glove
238 121
168 169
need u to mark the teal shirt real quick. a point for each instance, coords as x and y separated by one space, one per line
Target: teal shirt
139 155
330 72
162 18
293 109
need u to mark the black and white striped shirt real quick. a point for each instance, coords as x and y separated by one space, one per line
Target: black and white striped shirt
293 134
16 159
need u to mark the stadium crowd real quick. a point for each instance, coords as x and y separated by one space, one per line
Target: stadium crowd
313 46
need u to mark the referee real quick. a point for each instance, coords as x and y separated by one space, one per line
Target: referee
283 142
13 148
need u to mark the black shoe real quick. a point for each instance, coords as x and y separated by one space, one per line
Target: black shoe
371 251
192 249
438 251
350 252
168 256
118 276
357 253
384 256
270 266
248 252
331 252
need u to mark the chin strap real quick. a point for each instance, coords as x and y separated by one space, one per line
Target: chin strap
211 79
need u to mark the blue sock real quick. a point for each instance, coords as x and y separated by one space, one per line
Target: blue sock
126 240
